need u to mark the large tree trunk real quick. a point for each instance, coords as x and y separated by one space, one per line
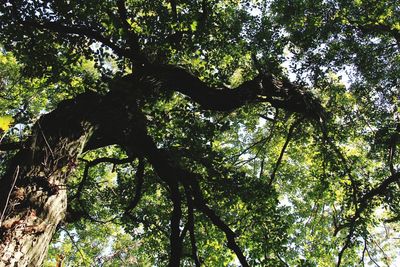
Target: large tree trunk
33 198
32 191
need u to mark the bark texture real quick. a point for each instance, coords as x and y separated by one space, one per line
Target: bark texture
33 197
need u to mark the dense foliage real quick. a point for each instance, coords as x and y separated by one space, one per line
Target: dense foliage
300 183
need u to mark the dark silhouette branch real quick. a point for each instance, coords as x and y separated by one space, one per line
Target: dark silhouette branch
132 38
394 139
168 173
189 201
363 253
201 205
343 249
139 177
288 138
93 163
363 203
279 92
372 259
83 211
281 260
79 30
175 236
262 88
173 7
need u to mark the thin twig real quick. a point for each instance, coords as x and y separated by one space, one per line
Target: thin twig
45 140
16 173
363 253
75 244
281 260
201 204
88 165
370 257
288 138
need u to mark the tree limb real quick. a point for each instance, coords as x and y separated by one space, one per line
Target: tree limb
189 201
139 185
262 88
175 236
74 244
200 204
93 163
80 30
131 36
362 205
288 138
162 165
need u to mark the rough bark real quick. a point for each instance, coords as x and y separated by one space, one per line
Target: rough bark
33 198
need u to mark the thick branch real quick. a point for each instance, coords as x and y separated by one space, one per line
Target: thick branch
262 88
160 161
377 191
279 93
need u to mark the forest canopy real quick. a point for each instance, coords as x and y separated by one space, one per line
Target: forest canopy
199 133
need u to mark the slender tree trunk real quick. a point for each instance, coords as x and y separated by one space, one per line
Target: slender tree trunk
33 197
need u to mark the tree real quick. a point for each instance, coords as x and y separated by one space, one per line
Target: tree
213 132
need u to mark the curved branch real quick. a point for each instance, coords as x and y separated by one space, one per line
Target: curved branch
162 165
200 204
362 205
83 212
93 163
279 93
367 198
139 185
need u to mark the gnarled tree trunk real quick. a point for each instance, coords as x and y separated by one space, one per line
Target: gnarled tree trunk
33 198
